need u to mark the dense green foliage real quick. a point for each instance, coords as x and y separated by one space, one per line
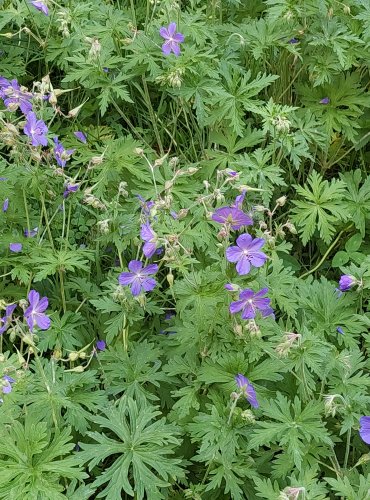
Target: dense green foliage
267 98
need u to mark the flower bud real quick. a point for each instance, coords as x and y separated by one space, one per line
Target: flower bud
170 278
247 416
73 356
77 369
168 185
139 151
83 355
281 201
97 160
57 354
182 213
2 358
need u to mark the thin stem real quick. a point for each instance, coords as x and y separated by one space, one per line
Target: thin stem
26 210
152 116
348 445
322 260
62 291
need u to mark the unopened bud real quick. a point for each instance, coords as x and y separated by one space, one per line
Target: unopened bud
170 278
281 201
346 9
83 355
168 185
159 161
28 339
247 416
192 170
10 35
53 98
182 213
77 369
139 151
73 356
2 358
57 354
97 160
238 329
173 162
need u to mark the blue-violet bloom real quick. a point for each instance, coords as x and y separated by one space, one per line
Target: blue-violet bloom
247 253
249 303
15 247
34 314
61 155
7 319
14 96
41 6
172 38
346 282
100 345
340 330
150 238
365 429
80 136
70 188
6 205
139 277
232 216
31 233
325 100
7 384
36 130
247 389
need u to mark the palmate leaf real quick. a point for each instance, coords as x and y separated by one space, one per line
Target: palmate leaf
290 426
322 208
33 463
358 198
141 446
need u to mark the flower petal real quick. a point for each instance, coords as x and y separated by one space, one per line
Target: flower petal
171 29
236 306
135 266
42 321
33 298
126 278
178 37
148 284
136 287
166 48
164 33
42 305
233 254
243 266
149 249
244 241
175 48
248 312
151 269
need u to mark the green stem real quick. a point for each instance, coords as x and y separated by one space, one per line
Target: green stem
62 291
348 445
152 116
46 220
26 209
324 256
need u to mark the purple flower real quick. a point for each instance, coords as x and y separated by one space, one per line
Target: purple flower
340 330
80 136
6 205
31 233
172 40
7 319
232 216
14 97
238 203
34 314
365 429
61 155
146 206
231 287
148 235
15 247
106 70
7 384
36 130
70 188
293 40
325 100
346 282
100 345
138 278
246 253
247 389
41 6
249 303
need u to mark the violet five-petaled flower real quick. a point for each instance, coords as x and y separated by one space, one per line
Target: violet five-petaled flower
80 136
247 389
232 216
70 188
41 6
34 314
346 282
7 319
250 303
36 130
15 247
14 96
100 345
5 204
139 277
247 253
61 155
172 38
31 233
7 384
365 429
325 100
150 238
